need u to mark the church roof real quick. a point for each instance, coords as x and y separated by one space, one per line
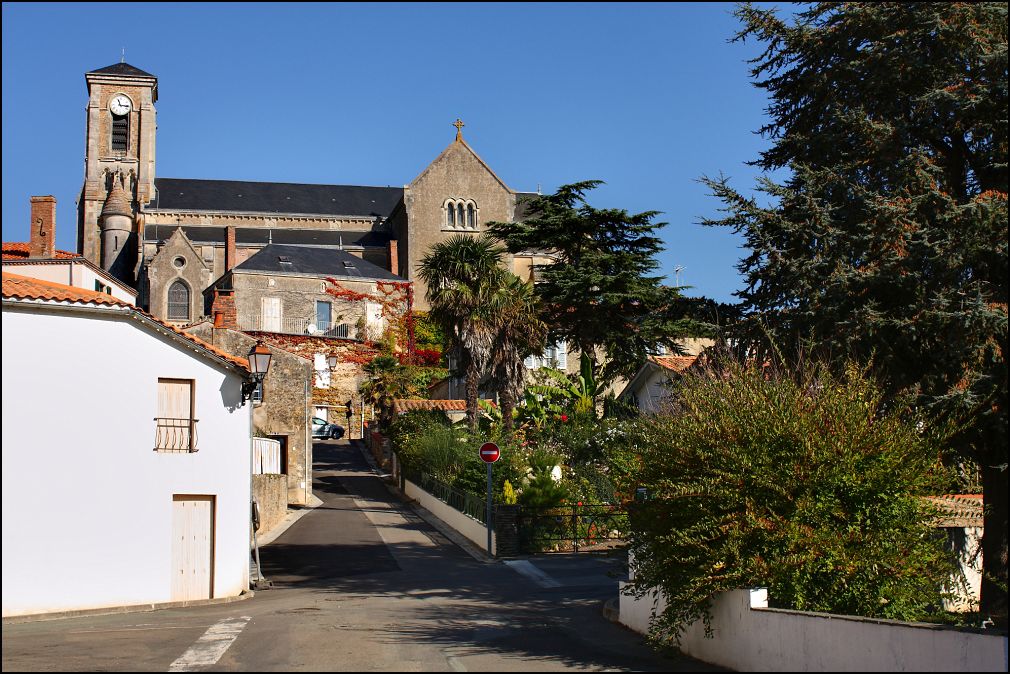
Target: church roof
256 197
259 236
314 261
121 69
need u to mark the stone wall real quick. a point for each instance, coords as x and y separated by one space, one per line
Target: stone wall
286 408
177 260
457 173
271 493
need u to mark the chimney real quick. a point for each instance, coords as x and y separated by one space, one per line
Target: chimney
42 243
394 258
223 309
229 248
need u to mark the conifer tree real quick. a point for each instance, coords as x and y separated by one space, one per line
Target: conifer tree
888 239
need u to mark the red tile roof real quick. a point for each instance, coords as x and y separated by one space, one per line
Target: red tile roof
674 363
18 250
25 288
401 405
958 510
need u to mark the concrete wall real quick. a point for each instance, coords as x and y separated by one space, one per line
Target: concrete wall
87 502
271 493
748 636
469 527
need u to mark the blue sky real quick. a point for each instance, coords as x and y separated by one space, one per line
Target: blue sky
647 97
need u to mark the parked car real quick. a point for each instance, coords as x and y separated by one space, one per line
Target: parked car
324 430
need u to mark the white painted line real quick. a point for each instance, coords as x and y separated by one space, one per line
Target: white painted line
209 648
526 568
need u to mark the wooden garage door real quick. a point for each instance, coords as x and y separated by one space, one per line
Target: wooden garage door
192 547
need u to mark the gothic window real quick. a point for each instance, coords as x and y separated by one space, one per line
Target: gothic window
120 133
460 214
178 302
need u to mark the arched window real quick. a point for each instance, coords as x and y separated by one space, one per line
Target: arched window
471 216
461 219
450 215
178 302
120 133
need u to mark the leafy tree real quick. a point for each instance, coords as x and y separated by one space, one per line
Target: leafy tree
803 482
464 275
888 237
387 381
518 333
576 392
600 291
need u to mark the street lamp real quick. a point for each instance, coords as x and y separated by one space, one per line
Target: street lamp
332 360
259 364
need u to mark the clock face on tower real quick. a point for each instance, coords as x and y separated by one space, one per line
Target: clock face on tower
120 104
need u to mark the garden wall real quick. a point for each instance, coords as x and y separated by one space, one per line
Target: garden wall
749 636
464 524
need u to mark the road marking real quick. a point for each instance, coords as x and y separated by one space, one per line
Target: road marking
526 568
209 648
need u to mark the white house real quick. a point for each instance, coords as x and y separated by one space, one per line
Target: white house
650 387
126 456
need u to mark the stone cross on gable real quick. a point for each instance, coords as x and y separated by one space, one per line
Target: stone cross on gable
459 128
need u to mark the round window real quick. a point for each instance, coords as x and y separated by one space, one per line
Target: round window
179 262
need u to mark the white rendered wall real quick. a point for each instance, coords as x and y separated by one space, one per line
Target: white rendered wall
72 274
750 637
464 524
87 503
652 393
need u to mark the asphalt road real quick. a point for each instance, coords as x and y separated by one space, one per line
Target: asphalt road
362 583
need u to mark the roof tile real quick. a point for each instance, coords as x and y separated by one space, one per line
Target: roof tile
19 250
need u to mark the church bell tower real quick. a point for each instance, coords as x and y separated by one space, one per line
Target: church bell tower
119 166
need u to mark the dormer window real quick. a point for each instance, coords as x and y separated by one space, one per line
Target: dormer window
460 214
120 133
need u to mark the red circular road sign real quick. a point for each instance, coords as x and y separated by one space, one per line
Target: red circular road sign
489 452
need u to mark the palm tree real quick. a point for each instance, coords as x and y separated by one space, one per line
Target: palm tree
464 275
519 333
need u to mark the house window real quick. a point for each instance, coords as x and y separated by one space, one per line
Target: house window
460 214
178 302
324 315
175 425
120 133
554 356
450 215
471 216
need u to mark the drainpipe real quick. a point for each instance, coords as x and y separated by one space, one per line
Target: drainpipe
306 488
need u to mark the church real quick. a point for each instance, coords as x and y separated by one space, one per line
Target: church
178 240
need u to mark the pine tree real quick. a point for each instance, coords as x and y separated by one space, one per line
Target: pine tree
888 240
600 291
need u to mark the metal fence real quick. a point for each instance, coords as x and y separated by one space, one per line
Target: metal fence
175 434
468 504
571 528
299 326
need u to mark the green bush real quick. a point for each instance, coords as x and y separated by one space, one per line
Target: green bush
405 428
804 484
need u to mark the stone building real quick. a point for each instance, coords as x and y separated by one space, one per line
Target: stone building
173 238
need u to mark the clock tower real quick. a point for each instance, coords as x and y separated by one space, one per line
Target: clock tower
119 166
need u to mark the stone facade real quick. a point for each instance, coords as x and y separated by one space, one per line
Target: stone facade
458 175
285 411
178 260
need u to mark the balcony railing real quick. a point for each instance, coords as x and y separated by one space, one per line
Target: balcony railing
175 435
300 326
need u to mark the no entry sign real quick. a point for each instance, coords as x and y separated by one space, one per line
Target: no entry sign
489 452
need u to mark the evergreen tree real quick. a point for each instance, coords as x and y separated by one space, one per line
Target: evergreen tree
600 291
888 240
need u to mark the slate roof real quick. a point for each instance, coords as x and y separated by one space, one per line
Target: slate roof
314 261
522 209
255 197
121 69
260 236
18 250
19 287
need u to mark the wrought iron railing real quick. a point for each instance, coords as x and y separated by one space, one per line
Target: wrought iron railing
175 434
468 504
571 527
300 326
